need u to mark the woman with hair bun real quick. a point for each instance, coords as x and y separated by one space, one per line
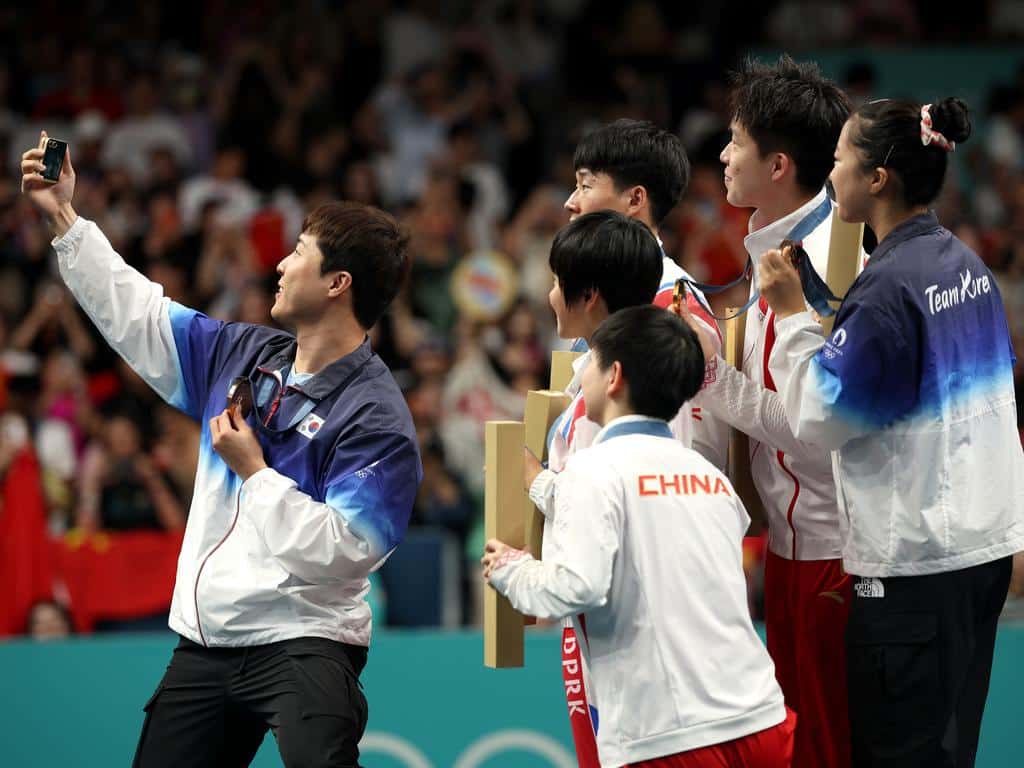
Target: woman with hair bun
913 393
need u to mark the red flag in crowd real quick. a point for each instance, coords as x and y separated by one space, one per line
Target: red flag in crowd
122 575
26 570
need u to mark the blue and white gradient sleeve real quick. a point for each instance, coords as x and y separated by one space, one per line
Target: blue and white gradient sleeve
579 576
364 518
859 380
167 344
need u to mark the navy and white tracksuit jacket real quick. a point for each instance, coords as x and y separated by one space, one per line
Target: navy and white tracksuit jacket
287 553
914 393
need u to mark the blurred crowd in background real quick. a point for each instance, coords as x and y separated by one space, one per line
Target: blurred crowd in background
201 133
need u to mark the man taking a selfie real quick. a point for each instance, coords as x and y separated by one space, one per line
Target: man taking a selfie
305 484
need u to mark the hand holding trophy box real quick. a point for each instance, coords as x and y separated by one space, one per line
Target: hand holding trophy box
484 286
509 514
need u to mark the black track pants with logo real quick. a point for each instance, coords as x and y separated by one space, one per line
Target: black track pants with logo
919 654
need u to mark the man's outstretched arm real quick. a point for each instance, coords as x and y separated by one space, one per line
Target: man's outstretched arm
167 344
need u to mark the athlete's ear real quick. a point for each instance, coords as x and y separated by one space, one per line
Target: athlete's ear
879 180
616 380
340 283
781 165
636 199
591 299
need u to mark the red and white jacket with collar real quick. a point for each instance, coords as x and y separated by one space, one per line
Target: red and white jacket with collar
793 478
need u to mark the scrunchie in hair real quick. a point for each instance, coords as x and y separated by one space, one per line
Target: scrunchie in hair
930 135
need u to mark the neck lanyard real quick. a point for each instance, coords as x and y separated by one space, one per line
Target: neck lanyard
809 279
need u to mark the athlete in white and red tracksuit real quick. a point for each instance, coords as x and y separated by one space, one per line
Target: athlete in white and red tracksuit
807 592
786 121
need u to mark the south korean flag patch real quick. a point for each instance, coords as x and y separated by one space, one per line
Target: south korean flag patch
309 426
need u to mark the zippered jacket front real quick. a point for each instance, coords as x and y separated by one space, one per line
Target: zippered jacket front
287 553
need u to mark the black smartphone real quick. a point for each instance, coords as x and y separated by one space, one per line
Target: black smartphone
53 159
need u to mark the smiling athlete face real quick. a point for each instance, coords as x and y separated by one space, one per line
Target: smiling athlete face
595 192
850 181
302 290
747 175
568 319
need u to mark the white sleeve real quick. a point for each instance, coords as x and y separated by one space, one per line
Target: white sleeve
710 437
129 310
587 529
309 538
751 408
542 493
710 433
178 351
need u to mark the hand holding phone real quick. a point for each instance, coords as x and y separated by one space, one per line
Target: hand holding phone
54 151
48 180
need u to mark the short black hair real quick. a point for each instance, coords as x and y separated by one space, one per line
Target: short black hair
660 355
792 108
887 134
610 253
638 153
367 243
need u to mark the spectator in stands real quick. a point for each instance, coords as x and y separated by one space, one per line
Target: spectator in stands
80 92
65 419
49 620
490 193
144 128
53 322
176 449
24 547
438 239
122 487
442 500
1004 144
